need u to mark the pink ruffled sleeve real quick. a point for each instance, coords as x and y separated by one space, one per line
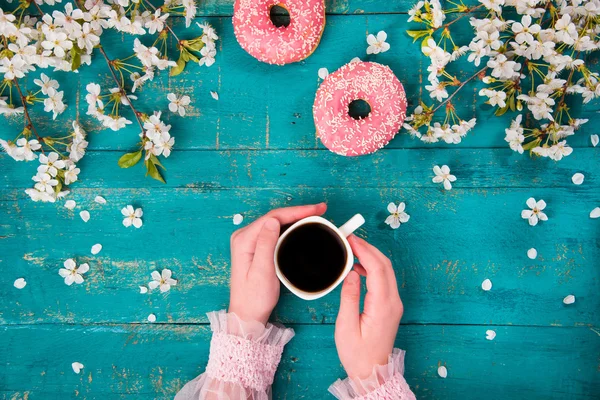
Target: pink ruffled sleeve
243 359
386 382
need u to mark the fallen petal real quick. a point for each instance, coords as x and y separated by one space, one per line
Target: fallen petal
486 285
595 140
70 204
532 253
577 178
96 248
85 216
151 318
595 213
214 95
490 334
355 59
143 289
77 367
238 219
570 299
323 72
20 283
442 371
100 200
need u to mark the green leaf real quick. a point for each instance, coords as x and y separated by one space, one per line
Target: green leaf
180 65
532 144
75 57
184 55
130 159
416 35
192 57
511 102
196 46
153 172
58 187
501 111
155 161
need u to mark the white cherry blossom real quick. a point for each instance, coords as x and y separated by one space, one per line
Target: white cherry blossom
536 211
398 215
72 273
377 44
26 148
46 83
178 104
162 280
132 217
524 30
442 175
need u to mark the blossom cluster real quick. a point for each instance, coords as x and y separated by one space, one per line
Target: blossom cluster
157 139
55 171
530 54
64 39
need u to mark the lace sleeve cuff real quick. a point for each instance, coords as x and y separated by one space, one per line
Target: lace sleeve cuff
243 359
386 382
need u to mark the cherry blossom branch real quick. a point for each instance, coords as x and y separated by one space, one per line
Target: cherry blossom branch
121 90
464 14
567 83
459 88
26 113
147 3
37 6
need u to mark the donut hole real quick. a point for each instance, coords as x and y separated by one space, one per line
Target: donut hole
359 109
279 15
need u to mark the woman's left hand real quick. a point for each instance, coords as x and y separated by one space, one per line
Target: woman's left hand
254 284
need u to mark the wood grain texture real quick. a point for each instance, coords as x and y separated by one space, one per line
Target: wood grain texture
263 106
453 242
154 361
388 168
256 149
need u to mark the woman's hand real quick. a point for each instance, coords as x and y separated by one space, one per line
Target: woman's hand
254 284
366 340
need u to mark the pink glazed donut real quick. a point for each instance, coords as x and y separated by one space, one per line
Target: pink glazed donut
257 34
374 83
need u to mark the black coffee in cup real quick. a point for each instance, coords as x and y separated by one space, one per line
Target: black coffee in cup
312 257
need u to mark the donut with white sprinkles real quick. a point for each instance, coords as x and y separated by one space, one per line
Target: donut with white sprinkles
281 45
378 86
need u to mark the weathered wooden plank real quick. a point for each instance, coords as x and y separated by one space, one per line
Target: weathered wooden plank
388 168
264 106
135 361
453 242
225 7
332 7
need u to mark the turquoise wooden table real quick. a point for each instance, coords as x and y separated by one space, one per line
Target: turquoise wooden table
255 149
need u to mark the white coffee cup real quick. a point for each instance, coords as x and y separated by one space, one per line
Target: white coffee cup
343 232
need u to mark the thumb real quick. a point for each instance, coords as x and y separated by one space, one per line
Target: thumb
349 316
265 247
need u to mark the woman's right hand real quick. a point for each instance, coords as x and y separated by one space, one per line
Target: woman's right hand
366 340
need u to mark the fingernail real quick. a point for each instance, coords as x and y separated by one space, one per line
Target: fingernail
272 224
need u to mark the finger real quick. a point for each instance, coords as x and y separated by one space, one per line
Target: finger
289 215
349 315
360 269
376 268
263 261
285 216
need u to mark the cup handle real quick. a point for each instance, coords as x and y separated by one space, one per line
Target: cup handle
353 224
